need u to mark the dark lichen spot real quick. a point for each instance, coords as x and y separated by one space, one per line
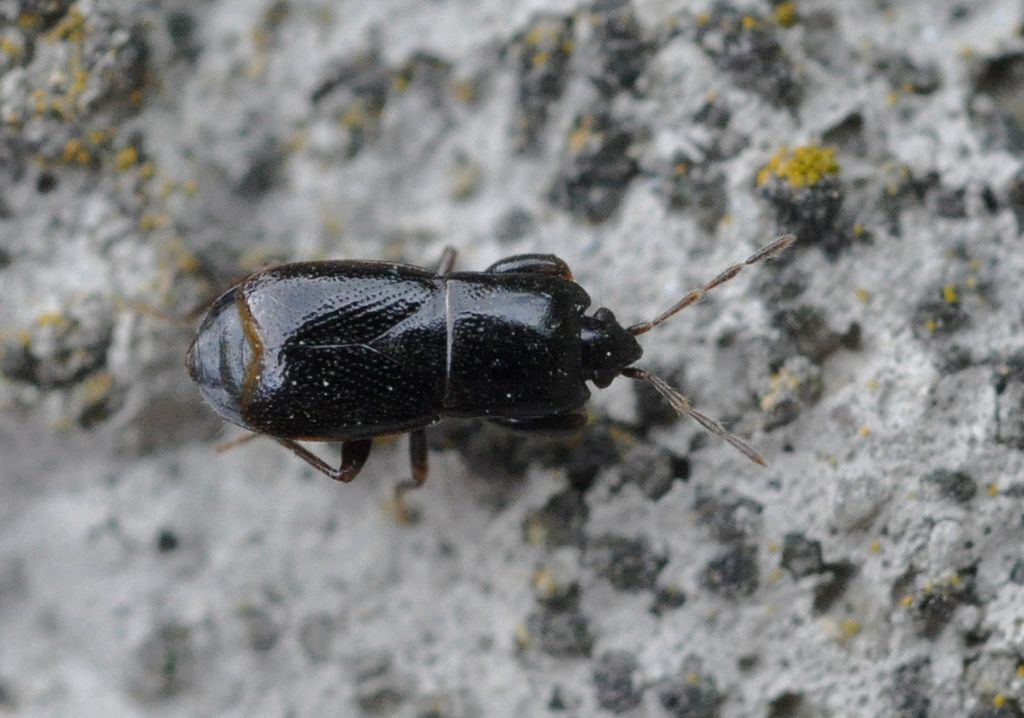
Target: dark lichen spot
560 633
953 485
559 522
801 556
699 187
806 332
622 47
615 681
938 315
597 168
832 589
997 107
181 28
667 598
910 689
653 470
629 564
355 94
733 574
46 182
727 518
934 605
690 695
906 76
745 46
544 51
167 540
263 171
785 705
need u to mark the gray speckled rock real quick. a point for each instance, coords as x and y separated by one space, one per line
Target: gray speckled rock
150 153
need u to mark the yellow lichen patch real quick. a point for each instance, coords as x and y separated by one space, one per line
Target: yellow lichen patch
681 168
536 532
98 137
354 117
800 167
998 700
545 583
177 254
907 601
29 21
785 14
781 383
39 101
992 490
126 158
1020 671
849 628
522 636
864 432
75 152
151 221
703 18
750 22
51 319
949 294
70 28
10 48
859 230
580 135
464 90
875 546
190 187
96 387
863 296
540 59
621 436
931 325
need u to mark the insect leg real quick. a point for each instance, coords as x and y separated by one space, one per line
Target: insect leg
353 456
447 261
558 425
532 264
418 460
696 295
418 456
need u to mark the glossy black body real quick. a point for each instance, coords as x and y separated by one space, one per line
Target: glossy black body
349 350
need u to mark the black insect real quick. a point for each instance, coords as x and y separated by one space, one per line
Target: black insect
346 351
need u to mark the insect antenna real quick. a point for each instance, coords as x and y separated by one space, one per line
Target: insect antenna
683 406
765 253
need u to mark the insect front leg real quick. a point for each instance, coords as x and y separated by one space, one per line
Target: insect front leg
532 264
418 460
447 261
557 425
353 456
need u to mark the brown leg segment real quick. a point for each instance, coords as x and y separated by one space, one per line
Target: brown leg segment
420 466
532 264
353 456
418 456
447 261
